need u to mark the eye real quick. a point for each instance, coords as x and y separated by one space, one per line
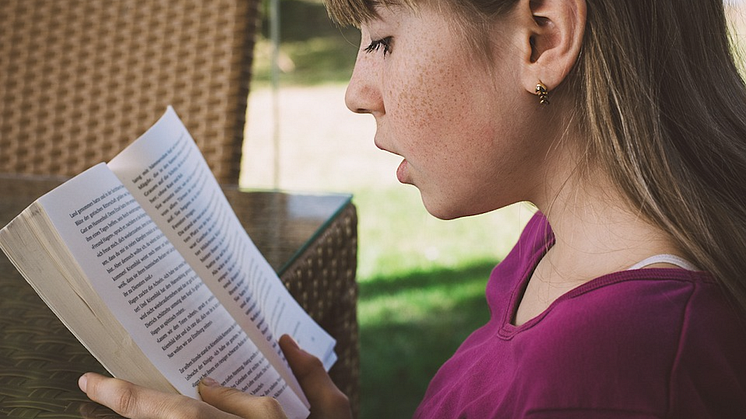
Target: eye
377 44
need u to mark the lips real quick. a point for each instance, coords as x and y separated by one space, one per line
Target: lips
402 172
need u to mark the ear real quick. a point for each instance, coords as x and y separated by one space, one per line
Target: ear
555 35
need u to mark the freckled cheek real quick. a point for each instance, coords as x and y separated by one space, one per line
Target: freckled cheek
418 112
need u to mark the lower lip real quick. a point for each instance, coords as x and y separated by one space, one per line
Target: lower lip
401 172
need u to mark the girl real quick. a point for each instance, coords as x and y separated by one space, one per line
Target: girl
623 122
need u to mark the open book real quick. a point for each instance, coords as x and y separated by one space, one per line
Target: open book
146 263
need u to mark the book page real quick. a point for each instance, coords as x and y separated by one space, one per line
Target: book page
159 299
168 175
40 254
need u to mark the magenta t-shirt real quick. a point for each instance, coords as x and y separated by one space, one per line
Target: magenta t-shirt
648 343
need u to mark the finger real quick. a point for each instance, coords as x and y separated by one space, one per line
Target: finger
327 401
238 403
136 402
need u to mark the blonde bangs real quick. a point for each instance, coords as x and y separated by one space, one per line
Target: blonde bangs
356 12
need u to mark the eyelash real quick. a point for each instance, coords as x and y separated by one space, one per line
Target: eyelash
377 44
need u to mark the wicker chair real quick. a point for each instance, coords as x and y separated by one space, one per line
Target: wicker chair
79 80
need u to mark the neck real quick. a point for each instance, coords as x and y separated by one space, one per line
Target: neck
596 233
596 230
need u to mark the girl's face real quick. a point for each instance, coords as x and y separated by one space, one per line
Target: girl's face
465 128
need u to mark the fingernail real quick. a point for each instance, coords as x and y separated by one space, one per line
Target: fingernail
210 382
83 382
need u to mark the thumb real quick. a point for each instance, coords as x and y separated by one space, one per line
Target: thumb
326 400
238 403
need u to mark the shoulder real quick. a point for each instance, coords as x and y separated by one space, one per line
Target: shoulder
665 310
708 374
660 340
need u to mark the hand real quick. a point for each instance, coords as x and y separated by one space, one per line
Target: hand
136 402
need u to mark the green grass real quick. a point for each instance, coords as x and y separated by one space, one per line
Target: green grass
398 236
422 284
311 62
410 324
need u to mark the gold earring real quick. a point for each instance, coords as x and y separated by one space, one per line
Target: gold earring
542 92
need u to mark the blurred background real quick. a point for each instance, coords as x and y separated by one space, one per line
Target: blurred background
421 280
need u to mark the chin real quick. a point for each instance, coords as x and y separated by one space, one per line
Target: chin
450 210
444 210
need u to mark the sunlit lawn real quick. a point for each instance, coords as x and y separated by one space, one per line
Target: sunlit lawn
421 290
409 325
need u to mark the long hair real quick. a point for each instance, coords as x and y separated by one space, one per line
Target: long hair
663 106
658 97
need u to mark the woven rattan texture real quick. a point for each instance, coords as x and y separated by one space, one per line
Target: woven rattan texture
80 79
322 280
40 361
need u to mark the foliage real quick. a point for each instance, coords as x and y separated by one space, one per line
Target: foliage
313 50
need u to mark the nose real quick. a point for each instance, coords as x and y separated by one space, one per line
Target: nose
364 91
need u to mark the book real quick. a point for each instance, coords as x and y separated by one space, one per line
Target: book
145 262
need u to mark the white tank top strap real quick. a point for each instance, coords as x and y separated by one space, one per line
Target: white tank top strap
665 258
